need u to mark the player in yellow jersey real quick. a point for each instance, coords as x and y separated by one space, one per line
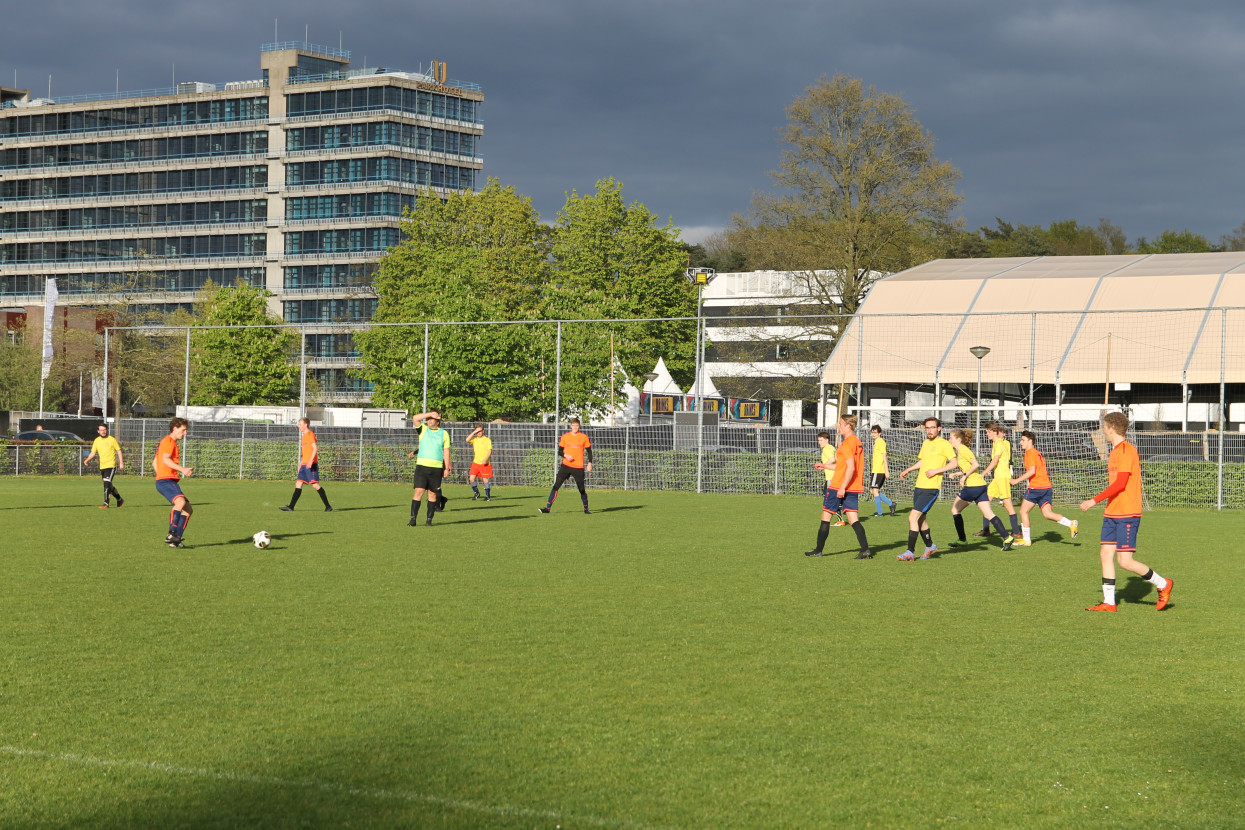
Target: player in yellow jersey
1001 485
935 458
110 460
1122 518
973 490
826 465
481 463
879 471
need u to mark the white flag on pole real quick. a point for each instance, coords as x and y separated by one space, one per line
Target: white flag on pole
49 313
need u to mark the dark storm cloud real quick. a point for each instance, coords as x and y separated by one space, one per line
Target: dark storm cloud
1054 110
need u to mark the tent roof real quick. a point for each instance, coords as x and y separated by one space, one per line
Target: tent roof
664 383
1050 320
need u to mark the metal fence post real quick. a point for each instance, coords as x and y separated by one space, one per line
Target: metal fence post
360 452
425 399
241 450
186 386
777 441
142 448
1223 422
626 455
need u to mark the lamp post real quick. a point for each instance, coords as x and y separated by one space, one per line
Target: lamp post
699 277
648 384
978 352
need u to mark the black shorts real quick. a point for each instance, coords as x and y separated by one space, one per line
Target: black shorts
107 473
878 480
565 472
428 478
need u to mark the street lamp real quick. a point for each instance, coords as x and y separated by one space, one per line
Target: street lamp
699 277
651 376
978 352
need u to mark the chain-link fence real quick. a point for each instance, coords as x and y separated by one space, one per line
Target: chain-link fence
1179 469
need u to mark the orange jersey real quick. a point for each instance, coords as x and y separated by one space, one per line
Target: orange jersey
1124 459
573 445
307 449
851 449
1040 479
168 446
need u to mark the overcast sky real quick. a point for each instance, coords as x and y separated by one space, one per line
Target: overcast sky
1051 110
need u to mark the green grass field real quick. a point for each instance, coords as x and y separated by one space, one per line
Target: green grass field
670 661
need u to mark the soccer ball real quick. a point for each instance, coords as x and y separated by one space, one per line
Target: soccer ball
262 539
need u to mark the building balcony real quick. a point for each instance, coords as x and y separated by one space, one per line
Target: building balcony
114 166
147 197
126 231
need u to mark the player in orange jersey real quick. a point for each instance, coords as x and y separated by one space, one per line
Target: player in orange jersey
575 450
846 485
168 473
1040 493
1122 518
308 467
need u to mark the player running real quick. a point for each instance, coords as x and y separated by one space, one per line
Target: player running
110 461
432 463
575 450
481 463
308 467
1040 493
168 474
1000 486
1122 518
973 490
880 471
935 458
846 485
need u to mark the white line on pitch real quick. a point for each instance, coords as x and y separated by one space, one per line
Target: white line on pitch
368 792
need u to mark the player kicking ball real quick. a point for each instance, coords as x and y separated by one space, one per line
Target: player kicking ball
1122 517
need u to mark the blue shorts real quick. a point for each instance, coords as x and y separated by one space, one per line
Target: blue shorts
975 494
1121 532
832 502
923 499
170 488
309 474
1044 495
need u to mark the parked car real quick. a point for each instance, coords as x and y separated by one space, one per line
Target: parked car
48 435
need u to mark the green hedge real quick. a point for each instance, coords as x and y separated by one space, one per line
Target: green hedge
1172 484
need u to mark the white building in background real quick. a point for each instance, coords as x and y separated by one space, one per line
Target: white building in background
294 182
778 357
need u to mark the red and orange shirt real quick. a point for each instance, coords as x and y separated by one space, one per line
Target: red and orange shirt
1040 479
1124 459
168 446
852 449
573 445
307 449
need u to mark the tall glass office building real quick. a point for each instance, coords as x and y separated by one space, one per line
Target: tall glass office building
294 182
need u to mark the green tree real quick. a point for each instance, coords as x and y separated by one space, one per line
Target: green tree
20 366
862 195
246 366
612 260
470 257
1176 242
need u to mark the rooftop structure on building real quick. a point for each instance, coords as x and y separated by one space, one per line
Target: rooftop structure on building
294 182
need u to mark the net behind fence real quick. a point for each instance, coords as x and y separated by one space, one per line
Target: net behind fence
1179 469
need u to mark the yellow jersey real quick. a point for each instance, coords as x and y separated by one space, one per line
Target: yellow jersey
481 446
106 447
879 456
827 458
965 458
935 453
1002 450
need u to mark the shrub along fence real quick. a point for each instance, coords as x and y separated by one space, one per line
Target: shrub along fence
1178 469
